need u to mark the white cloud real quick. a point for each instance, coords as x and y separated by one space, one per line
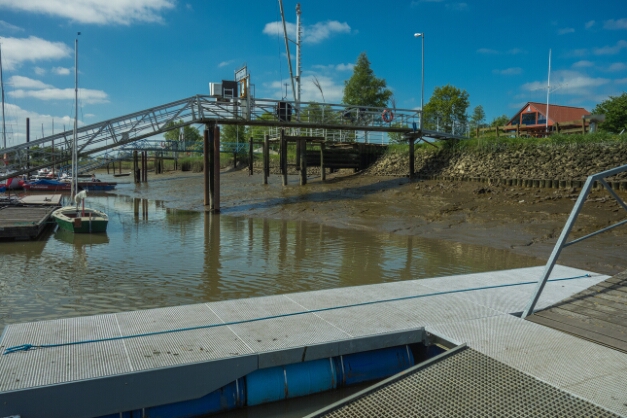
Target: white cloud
513 51
16 51
225 63
333 92
334 67
583 64
621 81
611 50
39 71
615 24
509 71
312 34
123 12
16 128
457 7
617 66
60 70
345 67
84 95
20 82
5 26
570 82
590 24
89 115
564 31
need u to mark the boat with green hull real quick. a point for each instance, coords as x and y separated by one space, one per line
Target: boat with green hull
81 221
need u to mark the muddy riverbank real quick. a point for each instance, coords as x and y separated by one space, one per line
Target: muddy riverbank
522 220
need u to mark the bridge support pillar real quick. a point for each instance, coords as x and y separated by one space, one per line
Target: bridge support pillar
284 157
216 169
411 158
266 159
207 158
303 161
135 167
323 174
250 156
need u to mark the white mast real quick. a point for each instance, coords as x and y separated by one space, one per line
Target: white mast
287 47
548 92
298 69
74 187
4 128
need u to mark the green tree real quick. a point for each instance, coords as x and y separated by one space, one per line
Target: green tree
500 121
478 117
190 133
446 106
364 88
615 111
234 133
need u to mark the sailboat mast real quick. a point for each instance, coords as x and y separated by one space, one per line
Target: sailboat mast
4 128
74 187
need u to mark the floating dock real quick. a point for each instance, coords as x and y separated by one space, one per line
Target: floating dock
24 222
117 364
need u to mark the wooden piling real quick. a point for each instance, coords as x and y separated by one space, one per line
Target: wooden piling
250 156
323 175
284 156
411 158
303 161
216 169
206 160
298 147
266 158
135 167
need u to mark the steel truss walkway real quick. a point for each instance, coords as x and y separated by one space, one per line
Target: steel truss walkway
127 129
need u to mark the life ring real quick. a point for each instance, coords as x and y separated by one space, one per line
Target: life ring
387 116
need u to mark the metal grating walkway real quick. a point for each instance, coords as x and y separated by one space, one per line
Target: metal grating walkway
466 383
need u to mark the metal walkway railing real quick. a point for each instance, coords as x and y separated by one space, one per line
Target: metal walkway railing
562 240
98 137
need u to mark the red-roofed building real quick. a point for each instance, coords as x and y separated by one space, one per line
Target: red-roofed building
532 118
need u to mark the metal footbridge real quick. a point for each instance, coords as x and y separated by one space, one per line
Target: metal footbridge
337 121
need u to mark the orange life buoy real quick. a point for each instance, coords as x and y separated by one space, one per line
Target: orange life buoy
387 115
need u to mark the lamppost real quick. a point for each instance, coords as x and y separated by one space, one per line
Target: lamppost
422 92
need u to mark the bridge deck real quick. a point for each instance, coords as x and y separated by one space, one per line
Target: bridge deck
70 380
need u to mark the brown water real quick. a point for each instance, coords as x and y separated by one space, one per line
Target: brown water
152 257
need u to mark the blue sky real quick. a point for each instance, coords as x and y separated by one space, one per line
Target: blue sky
136 54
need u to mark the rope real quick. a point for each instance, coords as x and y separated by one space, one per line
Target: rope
27 347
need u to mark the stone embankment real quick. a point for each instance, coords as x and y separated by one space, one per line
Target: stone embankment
546 165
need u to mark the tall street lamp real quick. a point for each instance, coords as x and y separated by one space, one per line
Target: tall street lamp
422 93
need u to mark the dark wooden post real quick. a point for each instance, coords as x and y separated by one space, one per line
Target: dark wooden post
298 147
303 161
497 131
207 160
135 167
583 125
108 168
266 158
120 165
411 157
323 175
250 156
216 169
145 166
284 154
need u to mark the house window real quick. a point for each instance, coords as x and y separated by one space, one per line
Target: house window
528 119
541 119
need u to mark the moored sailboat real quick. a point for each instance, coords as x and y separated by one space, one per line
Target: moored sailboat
73 218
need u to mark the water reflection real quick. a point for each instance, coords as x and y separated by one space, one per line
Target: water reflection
153 257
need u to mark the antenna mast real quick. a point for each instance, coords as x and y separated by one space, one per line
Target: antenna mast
548 92
287 47
4 128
